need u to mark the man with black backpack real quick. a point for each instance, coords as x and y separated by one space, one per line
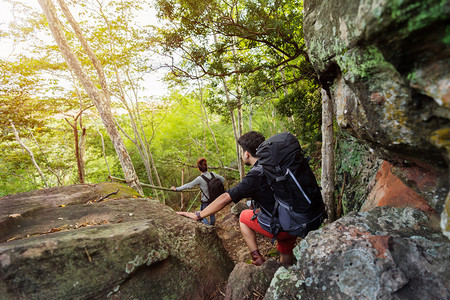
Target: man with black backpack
284 207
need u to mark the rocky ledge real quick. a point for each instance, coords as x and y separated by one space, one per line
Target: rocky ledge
72 243
386 253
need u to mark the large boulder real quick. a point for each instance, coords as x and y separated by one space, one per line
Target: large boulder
386 253
385 65
69 243
248 282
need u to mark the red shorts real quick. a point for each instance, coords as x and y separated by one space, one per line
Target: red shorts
286 242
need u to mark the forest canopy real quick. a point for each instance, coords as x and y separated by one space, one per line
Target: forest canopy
230 67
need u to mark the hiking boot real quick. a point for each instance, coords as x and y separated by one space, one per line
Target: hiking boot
257 258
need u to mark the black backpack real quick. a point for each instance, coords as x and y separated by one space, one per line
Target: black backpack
215 187
299 207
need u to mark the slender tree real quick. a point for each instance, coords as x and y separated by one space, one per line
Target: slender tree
19 140
140 139
328 172
79 143
100 98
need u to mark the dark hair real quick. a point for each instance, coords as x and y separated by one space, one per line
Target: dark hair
202 165
250 141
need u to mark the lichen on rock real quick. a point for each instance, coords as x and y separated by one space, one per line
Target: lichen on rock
368 256
140 249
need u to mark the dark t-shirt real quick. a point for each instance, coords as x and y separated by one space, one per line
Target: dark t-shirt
254 185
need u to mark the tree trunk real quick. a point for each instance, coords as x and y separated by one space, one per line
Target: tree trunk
238 149
104 153
237 128
80 154
77 150
33 160
140 140
101 100
328 174
182 205
240 163
240 121
206 121
285 90
79 142
158 179
83 152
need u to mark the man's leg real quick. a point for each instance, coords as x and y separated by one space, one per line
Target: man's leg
287 259
205 220
212 219
249 235
286 243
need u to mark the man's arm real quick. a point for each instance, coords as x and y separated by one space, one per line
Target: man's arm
188 185
211 209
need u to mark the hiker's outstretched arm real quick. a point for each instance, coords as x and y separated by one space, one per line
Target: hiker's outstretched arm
214 207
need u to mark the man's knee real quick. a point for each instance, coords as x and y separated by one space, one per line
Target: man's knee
244 227
245 216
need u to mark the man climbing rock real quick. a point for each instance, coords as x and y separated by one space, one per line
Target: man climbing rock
255 186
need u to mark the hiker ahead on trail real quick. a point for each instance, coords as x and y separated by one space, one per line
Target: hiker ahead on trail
211 186
287 199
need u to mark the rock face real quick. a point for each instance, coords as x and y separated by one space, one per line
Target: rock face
386 253
390 190
61 244
386 66
248 282
356 169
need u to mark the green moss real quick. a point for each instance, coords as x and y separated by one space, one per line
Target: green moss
355 167
106 188
406 16
446 39
323 52
285 285
412 76
362 63
351 156
417 14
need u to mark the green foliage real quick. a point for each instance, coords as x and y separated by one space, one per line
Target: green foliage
248 35
351 157
303 105
18 84
185 136
258 52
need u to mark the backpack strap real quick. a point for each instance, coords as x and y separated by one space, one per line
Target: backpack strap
288 172
206 178
204 195
275 229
